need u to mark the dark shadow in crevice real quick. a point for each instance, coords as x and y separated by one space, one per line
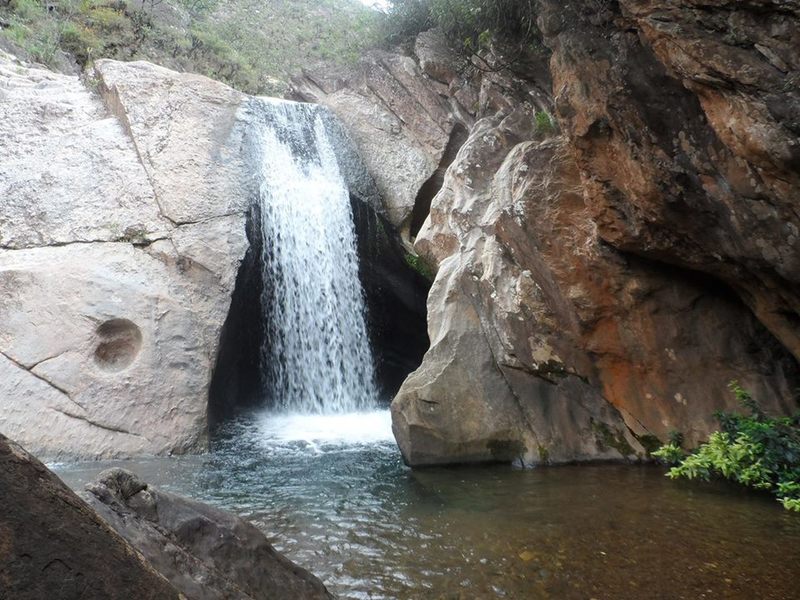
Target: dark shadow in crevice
237 383
429 189
396 297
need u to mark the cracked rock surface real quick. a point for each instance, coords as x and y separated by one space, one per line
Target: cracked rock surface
121 233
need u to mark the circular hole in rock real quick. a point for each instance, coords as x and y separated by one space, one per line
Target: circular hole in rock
120 342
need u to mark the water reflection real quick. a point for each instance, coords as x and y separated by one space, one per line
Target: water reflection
350 511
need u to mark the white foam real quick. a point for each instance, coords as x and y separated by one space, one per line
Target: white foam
316 349
343 429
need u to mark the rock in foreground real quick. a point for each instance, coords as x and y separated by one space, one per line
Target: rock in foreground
204 552
54 547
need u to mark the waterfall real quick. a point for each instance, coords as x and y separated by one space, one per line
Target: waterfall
316 354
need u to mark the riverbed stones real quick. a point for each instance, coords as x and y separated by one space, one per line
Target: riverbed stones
204 552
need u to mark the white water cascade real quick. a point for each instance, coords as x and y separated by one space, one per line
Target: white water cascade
316 354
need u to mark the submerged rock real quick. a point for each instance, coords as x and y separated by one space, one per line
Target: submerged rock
53 546
204 552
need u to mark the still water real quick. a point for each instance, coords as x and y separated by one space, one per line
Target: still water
333 494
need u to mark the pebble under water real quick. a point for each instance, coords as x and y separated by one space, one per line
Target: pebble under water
333 494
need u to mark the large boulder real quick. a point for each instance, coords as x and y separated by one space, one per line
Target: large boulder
204 552
548 344
120 241
52 545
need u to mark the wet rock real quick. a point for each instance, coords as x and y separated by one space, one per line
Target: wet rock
52 545
204 552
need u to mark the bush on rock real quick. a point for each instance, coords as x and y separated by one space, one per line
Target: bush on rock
755 450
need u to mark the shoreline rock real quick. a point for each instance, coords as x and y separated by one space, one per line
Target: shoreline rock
204 552
52 545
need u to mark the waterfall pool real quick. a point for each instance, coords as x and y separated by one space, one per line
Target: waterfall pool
333 494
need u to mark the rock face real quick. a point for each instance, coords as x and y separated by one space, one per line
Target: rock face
684 119
122 232
400 123
121 239
205 553
52 545
599 287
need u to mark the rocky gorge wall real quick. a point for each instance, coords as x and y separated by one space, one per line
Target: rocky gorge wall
125 260
597 284
599 280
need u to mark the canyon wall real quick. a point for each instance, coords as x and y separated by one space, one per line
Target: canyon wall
599 280
611 221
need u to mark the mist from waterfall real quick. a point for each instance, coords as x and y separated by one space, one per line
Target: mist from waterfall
316 353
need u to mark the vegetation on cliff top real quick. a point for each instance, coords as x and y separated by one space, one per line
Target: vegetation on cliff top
474 23
755 450
467 20
250 44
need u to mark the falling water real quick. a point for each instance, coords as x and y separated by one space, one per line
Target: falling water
316 354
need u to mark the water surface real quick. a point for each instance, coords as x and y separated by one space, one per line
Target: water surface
333 494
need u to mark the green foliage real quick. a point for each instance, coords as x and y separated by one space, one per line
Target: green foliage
200 7
474 22
27 9
420 266
755 450
249 44
545 123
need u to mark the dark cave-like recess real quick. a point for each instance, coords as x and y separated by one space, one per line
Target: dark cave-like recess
431 187
237 382
395 295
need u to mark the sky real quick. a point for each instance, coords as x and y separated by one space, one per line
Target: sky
378 4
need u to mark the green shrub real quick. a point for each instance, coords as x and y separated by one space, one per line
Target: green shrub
250 44
79 40
473 22
27 10
545 123
420 266
755 450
